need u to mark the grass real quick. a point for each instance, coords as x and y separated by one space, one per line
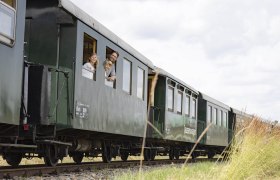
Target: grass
190 171
254 154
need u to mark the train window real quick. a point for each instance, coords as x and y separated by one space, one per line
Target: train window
209 113
215 116
8 21
112 84
220 118
170 100
89 62
225 119
179 102
193 108
140 83
127 76
187 107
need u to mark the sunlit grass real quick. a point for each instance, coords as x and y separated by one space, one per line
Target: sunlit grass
255 154
190 171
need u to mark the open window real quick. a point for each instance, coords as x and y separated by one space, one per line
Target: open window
112 66
89 50
8 21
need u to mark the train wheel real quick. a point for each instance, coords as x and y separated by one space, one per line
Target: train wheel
106 154
194 155
124 156
13 159
153 154
210 154
147 155
177 154
78 157
51 158
171 154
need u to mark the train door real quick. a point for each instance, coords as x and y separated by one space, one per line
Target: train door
201 125
155 113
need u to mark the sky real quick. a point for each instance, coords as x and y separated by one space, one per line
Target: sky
227 49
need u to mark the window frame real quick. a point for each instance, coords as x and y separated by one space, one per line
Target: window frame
173 90
130 76
194 108
221 118
111 84
4 38
181 102
215 114
188 105
209 113
94 50
225 120
143 85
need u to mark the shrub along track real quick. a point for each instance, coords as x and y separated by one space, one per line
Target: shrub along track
38 170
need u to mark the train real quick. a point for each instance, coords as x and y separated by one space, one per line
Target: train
49 110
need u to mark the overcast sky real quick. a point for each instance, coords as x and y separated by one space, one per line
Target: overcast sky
227 49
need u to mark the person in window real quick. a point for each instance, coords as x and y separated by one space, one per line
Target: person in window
107 67
90 67
112 72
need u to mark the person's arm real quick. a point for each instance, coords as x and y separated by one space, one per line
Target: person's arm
112 76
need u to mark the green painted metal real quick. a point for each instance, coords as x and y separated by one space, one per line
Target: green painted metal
11 72
173 126
180 128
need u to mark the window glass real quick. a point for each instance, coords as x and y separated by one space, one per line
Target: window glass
127 76
187 110
170 97
7 21
193 108
140 83
209 113
220 118
215 116
90 59
179 102
225 120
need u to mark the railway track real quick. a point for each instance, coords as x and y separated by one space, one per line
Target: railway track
39 170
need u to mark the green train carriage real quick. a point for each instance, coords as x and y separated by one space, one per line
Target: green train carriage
175 115
48 109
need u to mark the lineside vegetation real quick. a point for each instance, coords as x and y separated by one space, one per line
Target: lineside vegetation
254 154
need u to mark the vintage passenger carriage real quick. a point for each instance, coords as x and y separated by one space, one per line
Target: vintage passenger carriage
48 109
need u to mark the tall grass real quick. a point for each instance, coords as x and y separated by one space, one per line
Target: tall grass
254 154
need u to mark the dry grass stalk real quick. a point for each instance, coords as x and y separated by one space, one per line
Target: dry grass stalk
255 152
198 140
151 102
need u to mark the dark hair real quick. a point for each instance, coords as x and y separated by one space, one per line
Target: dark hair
116 53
